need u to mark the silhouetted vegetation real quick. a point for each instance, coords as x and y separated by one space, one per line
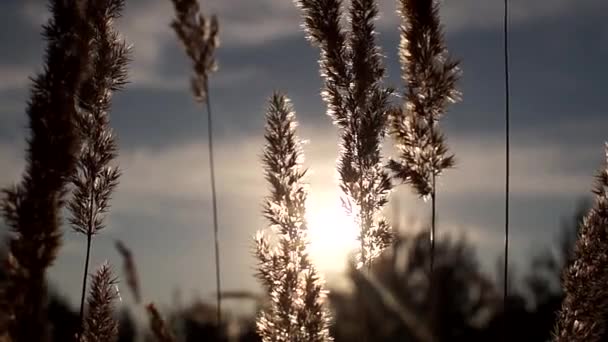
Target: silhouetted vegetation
394 302
409 289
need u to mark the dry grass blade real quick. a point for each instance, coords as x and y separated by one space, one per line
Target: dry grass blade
409 319
158 325
130 270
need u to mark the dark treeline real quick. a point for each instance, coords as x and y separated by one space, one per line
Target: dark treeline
392 301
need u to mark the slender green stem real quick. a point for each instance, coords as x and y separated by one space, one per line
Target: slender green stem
90 230
507 161
433 195
433 216
84 280
214 204
363 221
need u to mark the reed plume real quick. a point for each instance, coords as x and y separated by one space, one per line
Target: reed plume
430 77
95 178
158 326
129 270
32 209
585 306
296 312
199 36
99 324
358 104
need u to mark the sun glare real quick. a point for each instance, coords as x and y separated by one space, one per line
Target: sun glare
332 233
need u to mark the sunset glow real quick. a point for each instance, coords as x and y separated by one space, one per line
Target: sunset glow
333 234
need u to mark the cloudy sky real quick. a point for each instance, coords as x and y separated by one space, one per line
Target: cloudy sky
162 209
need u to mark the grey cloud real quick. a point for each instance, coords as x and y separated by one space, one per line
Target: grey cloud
548 72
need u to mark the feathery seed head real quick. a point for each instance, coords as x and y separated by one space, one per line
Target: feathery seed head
100 325
129 269
296 311
351 65
32 209
430 76
95 178
200 37
586 297
158 325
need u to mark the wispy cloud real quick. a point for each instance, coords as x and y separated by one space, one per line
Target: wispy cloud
537 169
251 24
179 172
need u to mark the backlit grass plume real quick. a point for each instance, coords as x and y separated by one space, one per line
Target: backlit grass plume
200 37
129 270
158 326
358 104
96 177
32 209
296 312
585 307
99 324
430 77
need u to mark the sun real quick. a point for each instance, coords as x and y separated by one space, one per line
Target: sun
332 233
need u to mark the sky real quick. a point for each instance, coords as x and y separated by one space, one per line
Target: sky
162 206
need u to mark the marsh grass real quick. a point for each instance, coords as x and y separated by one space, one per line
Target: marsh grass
96 178
297 310
100 324
199 36
70 142
32 209
358 103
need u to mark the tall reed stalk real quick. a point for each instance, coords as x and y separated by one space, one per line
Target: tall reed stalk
351 66
200 37
95 178
430 76
32 209
296 312
507 162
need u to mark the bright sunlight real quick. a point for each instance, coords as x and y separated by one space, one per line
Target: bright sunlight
333 234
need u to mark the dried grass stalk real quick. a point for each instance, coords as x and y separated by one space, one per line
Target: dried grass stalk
430 77
96 178
351 66
200 37
158 325
297 311
100 325
32 208
585 306
130 270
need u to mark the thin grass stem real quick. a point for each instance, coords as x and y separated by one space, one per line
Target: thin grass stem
214 204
